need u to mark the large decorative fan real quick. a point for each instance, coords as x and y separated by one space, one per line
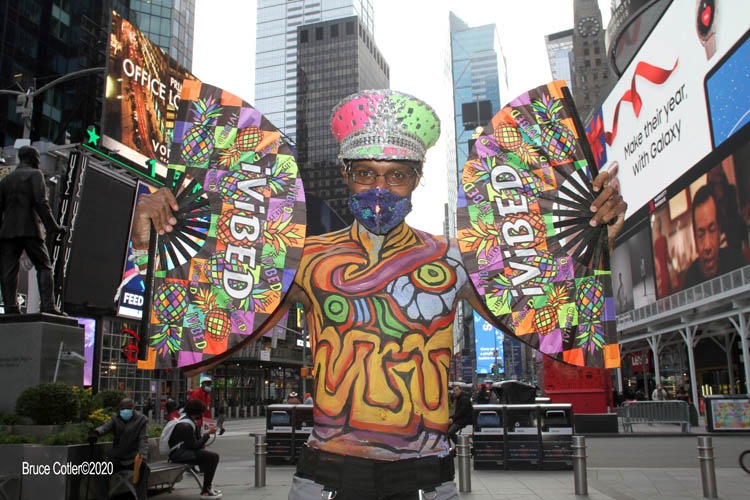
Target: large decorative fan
524 232
239 234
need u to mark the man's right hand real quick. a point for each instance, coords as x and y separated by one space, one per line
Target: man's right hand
156 209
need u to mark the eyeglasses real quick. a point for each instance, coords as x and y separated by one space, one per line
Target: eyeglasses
395 177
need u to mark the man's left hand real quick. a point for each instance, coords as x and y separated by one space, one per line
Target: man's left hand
609 207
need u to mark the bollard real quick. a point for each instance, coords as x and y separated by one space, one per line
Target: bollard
578 449
463 452
260 460
708 472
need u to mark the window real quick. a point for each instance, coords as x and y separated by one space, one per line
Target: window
318 34
334 30
303 36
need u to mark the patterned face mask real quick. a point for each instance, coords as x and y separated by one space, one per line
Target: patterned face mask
379 210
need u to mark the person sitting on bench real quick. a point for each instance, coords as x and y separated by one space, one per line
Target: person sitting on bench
130 442
187 446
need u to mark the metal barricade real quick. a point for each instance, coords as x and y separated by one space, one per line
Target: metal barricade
650 412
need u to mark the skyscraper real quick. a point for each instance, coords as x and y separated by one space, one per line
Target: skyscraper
167 23
479 80
276 51
560 53
591 71
335 58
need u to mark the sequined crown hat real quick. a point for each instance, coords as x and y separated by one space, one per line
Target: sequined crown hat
384 125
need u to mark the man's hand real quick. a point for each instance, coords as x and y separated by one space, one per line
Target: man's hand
609 207
156 209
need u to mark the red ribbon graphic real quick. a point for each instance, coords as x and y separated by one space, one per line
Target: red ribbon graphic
597 129
653 74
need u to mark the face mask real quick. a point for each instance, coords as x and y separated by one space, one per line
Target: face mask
207 388
126 414
379 210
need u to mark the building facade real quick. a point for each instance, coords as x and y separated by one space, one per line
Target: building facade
276 51
335 59
560 54
591 73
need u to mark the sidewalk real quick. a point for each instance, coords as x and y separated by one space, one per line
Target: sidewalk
652 477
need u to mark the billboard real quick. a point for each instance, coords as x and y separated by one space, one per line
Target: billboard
142 95
657 122
489 345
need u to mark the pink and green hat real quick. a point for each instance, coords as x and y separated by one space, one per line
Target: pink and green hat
384 125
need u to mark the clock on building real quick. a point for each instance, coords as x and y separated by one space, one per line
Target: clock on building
588 26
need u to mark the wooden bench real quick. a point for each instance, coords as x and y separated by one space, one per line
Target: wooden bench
163 476
652 412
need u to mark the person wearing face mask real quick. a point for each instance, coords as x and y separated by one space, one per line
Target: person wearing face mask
203 394
380 299
130 440
188 446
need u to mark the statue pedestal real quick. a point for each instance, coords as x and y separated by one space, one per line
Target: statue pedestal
38 348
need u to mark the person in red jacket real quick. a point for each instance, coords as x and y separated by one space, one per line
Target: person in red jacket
203 394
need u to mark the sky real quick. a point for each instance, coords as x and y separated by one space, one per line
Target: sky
414 37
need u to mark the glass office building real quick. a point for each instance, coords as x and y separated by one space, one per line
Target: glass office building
276 51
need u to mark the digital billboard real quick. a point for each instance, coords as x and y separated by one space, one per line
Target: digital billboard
489 345
655 123
142 95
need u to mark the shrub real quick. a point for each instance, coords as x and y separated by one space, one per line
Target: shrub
109 399
48 404
15 439
76 435
98 417
8 418
154 431
86 403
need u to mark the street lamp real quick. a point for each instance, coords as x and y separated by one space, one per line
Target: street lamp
25 98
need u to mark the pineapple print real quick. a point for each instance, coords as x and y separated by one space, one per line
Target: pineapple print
247 139
535 221
590 300
508 136
218 324
198 144
545 319
544 261
557 139
170 302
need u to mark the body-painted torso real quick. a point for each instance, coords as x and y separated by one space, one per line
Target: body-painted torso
381 325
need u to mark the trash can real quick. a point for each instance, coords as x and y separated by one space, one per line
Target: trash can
279 434
557 436
489 437
303 424
523 439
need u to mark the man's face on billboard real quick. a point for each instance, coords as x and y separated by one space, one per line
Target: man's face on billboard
707 234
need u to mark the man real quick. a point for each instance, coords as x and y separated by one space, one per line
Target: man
380 299
203 394
130 441
462 415
187 446
25 212
712 261
293 399
659 394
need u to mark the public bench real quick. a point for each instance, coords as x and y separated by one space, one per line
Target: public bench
164 474
655 412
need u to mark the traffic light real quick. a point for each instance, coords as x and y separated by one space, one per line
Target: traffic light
307 371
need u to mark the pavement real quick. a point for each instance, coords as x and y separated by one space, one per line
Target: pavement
654 462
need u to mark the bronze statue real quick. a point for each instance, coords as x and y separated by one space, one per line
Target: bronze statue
25 213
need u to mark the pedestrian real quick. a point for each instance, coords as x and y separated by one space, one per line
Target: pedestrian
293 399
222 415
24 215
203 394
659 394
462 415
188 446
308 399
483 395
380 300
129 428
